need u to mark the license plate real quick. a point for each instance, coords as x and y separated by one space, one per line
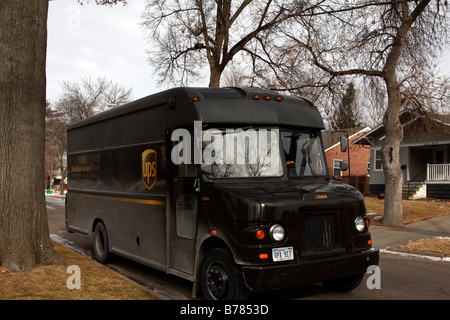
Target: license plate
282 254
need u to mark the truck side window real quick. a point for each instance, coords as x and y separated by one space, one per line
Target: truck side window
304 154
186 206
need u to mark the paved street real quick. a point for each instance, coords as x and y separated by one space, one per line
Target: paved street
400 277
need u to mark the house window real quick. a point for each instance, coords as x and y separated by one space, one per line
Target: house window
337 173
378 165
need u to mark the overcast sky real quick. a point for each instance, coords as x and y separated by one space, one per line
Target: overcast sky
90 40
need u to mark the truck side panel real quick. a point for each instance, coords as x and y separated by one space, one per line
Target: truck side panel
134 226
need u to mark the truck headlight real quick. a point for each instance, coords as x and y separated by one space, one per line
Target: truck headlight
360 224
277 232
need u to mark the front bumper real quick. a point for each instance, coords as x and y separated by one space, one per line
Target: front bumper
283 276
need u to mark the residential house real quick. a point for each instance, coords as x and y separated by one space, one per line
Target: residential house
357 174
424 155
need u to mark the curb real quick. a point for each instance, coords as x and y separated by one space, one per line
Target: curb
389 250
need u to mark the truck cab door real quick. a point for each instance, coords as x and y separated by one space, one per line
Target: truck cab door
183 217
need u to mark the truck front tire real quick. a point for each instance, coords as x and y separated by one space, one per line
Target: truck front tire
220 278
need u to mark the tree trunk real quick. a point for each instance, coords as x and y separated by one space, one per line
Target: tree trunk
390 152
24 235
214 78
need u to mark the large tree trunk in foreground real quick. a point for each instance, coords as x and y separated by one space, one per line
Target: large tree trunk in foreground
24 235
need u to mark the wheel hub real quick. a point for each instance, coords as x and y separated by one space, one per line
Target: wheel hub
217 280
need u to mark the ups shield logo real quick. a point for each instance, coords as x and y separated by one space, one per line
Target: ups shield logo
149 166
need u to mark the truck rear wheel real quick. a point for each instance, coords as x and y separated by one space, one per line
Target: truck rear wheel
101 244
220 278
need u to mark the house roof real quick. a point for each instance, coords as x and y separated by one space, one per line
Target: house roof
412 121
331 139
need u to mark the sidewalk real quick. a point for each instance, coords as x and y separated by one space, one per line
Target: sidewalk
386 238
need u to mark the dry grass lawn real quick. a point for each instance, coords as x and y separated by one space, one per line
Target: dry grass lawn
437 246
50 282
415 211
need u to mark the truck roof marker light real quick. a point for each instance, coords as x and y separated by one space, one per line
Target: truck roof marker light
195 99
263 256
278 99
213 231
267 98
260 234
256 97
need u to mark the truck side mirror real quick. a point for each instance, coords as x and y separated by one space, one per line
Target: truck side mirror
344 144
343 166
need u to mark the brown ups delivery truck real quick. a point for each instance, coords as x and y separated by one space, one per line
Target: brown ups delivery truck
225 187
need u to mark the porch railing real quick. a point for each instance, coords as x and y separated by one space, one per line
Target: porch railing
438 172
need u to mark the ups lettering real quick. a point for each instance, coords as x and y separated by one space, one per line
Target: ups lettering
149 170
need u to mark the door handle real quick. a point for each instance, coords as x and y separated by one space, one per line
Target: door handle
197 185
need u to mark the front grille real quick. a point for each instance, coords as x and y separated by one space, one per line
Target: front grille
320 231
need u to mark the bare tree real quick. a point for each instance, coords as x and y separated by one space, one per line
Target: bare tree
104 2
392 41
234 76
82 100
50 151
374 100
55 145
189 34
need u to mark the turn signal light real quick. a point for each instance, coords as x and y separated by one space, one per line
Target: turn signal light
260 234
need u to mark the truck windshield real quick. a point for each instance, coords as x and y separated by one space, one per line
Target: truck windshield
238 153
303 153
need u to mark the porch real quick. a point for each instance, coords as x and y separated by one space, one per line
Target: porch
438 172
436 184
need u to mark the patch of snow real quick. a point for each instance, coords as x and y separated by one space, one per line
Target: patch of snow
69 244
417 256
